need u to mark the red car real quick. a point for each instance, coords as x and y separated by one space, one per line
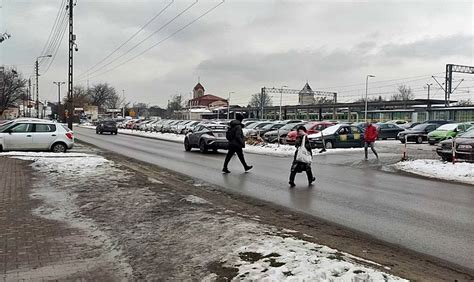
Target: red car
311 128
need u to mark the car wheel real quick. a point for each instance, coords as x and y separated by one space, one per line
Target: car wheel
215 150
419 140
187 146
329 145
202 146
402 140
447 158
59 148
431 143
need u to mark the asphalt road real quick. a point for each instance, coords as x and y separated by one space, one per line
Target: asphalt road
428 216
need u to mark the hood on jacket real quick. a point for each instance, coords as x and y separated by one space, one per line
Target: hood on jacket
235 122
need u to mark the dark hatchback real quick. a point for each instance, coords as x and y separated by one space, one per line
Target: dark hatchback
464 147
338 136
388 130
417 134
106 126
207 136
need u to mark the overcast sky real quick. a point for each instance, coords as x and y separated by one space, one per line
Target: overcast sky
244 45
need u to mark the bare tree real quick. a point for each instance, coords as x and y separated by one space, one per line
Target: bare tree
12 88
257 99
175 104
404 94
101 95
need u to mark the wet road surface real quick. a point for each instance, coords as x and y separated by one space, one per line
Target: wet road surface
428 216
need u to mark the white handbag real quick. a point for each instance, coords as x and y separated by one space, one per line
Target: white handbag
303 155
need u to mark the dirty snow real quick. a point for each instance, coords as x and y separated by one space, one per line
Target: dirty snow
274 258
61 173
196 200
462 172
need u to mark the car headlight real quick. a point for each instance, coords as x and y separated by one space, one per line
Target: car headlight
464 147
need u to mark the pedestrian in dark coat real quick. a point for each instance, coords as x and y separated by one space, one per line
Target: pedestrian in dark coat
297 166
236 143
370 136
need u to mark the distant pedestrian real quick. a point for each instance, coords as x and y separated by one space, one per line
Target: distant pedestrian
303 157
370 136
236 143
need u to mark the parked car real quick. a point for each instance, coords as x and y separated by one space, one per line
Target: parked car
272 136
439 121
106 126
417 134
388 130
311 128
267 128
464 147
252 129
398 122
35 134
338 136
205 137
447 131
409 125
190 127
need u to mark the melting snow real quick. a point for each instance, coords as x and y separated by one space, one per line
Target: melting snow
462 172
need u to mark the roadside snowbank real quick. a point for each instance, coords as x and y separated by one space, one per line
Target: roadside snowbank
276 258
462 172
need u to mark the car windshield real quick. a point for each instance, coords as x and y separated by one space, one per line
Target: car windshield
331 130
420 127
290 126
253 125
469 133
263 124
5 126
448 127
268 126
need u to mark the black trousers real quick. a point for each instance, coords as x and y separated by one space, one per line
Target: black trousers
230 153
297 167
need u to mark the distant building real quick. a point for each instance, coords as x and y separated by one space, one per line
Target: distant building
198 91
306 95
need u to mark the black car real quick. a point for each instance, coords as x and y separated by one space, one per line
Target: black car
439 121
464 147
106 126
338 136
417 134
388 130
207 136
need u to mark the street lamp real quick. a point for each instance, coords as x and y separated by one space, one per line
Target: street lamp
281 97
366 93
37 84
228 106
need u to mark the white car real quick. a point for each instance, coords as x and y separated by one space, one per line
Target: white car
35 135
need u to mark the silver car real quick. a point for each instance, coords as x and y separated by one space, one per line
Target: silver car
207 136
35 135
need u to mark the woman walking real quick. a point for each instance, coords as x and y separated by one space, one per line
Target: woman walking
370 136
303 157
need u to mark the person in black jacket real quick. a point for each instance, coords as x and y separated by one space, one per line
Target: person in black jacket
236 143
296 166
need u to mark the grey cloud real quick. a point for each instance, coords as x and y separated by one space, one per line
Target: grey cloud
432 48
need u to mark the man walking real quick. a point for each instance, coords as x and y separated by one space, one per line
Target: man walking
236 143
370 136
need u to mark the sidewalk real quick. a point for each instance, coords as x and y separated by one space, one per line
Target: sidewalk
35 248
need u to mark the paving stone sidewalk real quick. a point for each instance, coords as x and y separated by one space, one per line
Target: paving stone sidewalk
34 248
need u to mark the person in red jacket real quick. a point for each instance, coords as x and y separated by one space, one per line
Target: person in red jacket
370 136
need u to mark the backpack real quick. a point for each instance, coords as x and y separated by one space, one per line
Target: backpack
229 135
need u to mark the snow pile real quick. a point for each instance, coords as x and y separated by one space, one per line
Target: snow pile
157 135
462 172
274 258
271 150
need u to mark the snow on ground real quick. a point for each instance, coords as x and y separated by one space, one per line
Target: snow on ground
275 258
60 174
462 172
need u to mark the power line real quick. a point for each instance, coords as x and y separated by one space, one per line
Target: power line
55 38
53 28
63 32
163 40
139 43
128 40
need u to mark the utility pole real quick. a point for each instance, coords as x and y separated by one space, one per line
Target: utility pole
228 106
366 93
262 100
281 98
29 97
429 103
58 83
123 106
37 87
37 84
72 38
